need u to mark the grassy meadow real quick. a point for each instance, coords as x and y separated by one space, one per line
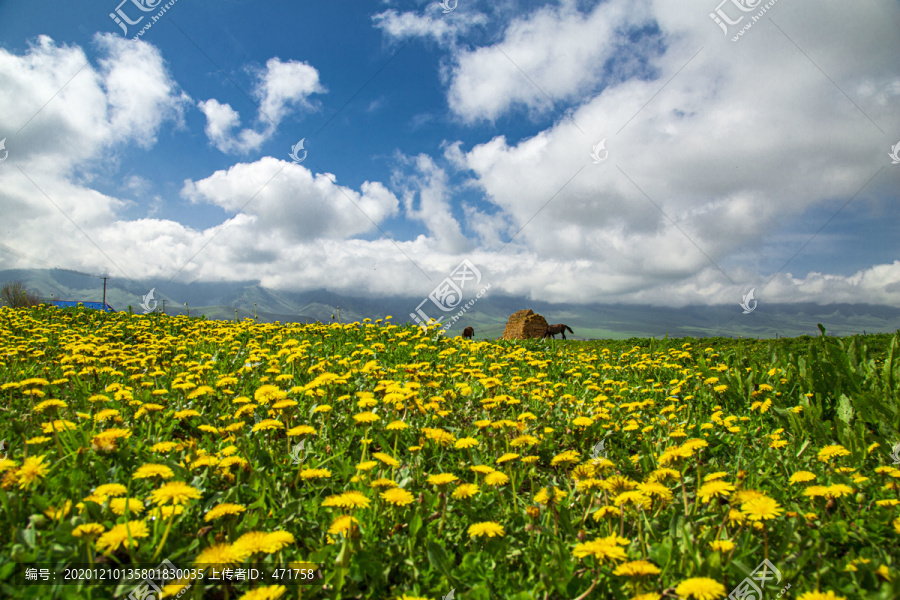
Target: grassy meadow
403 466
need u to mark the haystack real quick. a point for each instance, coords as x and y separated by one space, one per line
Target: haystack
524 325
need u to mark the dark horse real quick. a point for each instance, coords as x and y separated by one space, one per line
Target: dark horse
468 333
552 330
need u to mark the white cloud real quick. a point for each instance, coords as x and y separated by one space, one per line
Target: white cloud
552 55
286 86
444 29
281 88
426 198
745 137
70 114
287 199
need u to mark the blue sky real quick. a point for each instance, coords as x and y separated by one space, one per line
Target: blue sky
435 136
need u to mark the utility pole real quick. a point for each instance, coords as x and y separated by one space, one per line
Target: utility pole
104 291
164 306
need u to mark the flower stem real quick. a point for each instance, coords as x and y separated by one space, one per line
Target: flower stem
165 535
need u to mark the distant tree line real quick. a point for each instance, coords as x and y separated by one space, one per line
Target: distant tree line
15 295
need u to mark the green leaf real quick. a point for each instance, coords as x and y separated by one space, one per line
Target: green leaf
28 536
661 552
437 556
415 525
844 409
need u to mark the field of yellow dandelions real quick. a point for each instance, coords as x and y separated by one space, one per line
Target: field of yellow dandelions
398 465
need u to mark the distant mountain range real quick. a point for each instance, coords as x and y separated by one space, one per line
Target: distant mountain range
488 315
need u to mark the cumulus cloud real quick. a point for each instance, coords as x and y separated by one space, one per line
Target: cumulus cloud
444 29
426 199
281 88
287 198
70 114
554 54
717 150
701 169
94 113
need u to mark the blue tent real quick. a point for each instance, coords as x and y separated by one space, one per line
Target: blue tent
74 303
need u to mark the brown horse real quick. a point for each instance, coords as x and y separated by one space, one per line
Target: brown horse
468 333
552 330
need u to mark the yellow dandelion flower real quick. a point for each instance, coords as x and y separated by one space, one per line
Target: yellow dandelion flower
397 496
153 470
366 417
306 474
829 452
51 403
714 489
486 528
829 595
267 424
134 505
266 592
496 479
465 490
302 430
802 477
482 469
119 536
637 568
221 510
382 483
602 549
569 456
507 457
634 497
88 530
111 489
352 499
175 492
32 470
762 508
465 443
722 545
442 478
342 525
220 555
549 496
701 588
386 459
